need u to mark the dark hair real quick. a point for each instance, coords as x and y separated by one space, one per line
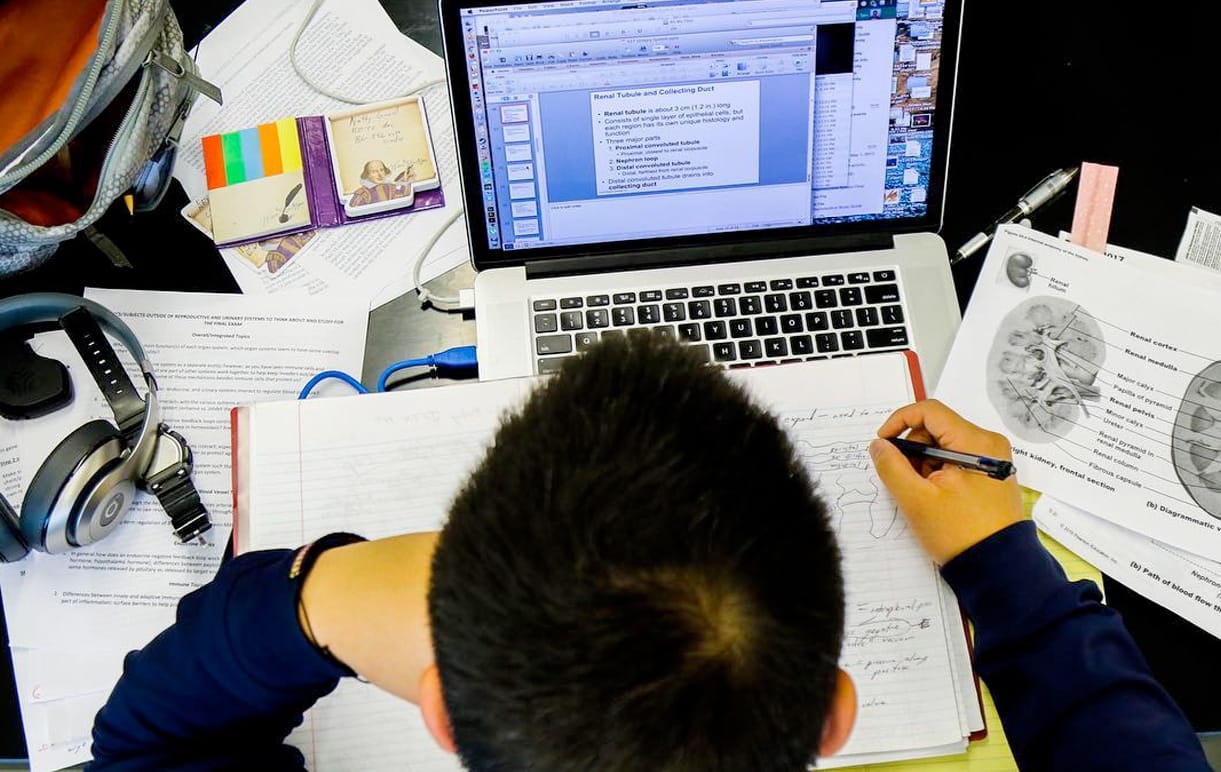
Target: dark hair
638 575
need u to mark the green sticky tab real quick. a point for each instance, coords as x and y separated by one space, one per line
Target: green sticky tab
235 166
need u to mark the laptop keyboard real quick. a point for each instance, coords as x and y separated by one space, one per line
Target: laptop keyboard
737 324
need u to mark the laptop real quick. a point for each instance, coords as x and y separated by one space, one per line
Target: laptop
761 179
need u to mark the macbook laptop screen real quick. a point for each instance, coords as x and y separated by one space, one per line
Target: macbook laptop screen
600 121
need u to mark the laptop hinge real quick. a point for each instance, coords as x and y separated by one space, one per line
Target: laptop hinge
630 260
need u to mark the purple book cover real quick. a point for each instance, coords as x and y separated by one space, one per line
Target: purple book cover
325 204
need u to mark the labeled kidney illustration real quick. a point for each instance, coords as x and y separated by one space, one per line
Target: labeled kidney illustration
1196 440
1019 267
1043 367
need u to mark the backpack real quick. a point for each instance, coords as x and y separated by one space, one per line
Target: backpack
93 94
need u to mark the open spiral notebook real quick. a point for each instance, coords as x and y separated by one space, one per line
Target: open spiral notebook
390 463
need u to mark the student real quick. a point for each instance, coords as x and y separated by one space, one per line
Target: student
637 575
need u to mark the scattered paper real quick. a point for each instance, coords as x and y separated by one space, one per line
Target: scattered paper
1201 242
352 48
1187 584
209 353
1112 405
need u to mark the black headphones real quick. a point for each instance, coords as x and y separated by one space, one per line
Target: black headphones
85 486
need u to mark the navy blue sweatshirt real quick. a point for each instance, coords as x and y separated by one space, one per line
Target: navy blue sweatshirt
230 679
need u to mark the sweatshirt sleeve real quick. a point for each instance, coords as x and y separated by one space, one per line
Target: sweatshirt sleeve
225 684
1071 687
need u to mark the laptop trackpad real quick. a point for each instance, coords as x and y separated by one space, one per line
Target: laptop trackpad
504 341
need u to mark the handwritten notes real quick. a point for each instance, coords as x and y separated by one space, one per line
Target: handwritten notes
381 145
895 637
377 126
390 463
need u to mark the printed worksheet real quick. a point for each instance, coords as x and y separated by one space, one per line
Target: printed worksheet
209 353
1187 584
1109 390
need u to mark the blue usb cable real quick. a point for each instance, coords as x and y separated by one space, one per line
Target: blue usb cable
461 357
458 358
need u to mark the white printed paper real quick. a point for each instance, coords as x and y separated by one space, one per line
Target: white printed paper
1112 406
1187 584
352 48
209 353
1201 242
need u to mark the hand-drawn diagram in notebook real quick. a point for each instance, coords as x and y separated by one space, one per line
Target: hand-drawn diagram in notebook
895 634
855 496
1106 375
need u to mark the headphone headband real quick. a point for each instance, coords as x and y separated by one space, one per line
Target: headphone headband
50 306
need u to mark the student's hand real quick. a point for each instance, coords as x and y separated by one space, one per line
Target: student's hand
950 509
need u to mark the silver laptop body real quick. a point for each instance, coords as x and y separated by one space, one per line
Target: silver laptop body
760 178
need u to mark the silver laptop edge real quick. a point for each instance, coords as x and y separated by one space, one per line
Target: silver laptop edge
502 295
503 314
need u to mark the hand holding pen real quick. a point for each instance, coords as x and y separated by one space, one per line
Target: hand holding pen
997 469
1048 190
949 508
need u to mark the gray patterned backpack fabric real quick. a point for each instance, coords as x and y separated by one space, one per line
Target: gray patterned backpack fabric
139 57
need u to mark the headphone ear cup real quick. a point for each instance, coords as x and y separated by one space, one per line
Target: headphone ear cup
62 475
13 546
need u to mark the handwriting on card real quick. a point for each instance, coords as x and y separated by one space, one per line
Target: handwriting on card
380 126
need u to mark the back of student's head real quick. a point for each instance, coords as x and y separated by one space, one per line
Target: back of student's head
637 576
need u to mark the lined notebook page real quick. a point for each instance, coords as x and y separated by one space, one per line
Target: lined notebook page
895 638
376 465
373 464
385 464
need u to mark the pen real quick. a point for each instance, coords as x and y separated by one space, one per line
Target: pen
1044 193
993 467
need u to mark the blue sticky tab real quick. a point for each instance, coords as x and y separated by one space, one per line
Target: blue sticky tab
252 153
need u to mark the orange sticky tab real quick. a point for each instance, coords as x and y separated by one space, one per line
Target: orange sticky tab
269 141
290 144
214 161
1095 197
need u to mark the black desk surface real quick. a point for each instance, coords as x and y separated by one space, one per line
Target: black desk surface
1042 85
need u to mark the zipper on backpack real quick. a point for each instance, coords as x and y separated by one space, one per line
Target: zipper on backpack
105 47
175 69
